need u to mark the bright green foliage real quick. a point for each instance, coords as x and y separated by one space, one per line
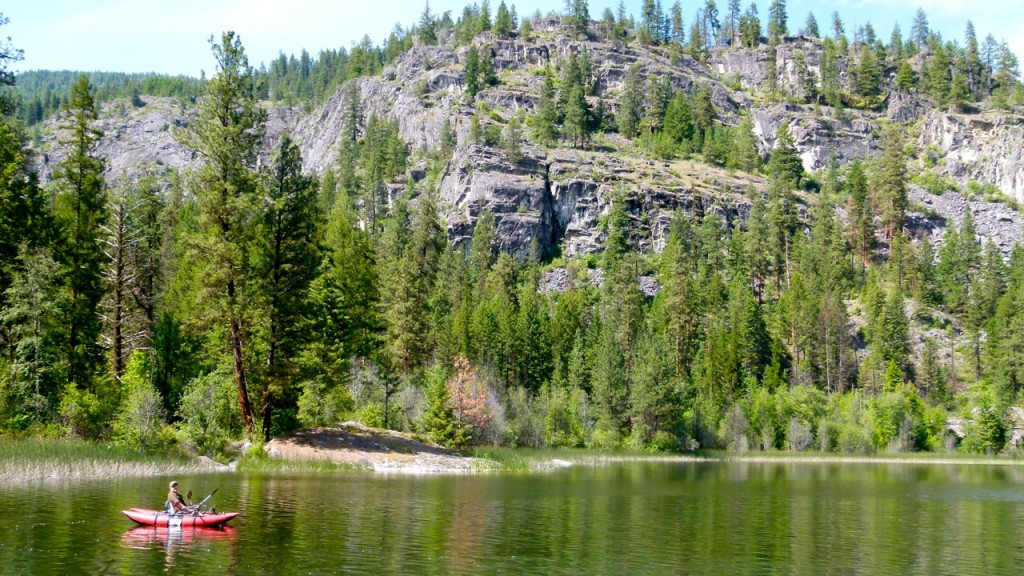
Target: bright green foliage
439 421
209 413
744 155
578 117
868 72
140 421
655 400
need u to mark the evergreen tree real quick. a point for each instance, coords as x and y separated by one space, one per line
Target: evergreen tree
710 25
81 214
678 123
33 312
743 154
631 103
352 115
227 136
288 257
503 24
868 72
678 34
544 121
811 26
578 117
777 27
473 68
919 29
862 228
428 26
484 19
439 421
889 182
750 27
655 399
579 17
733 26
785 164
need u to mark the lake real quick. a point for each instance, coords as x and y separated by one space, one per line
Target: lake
620 518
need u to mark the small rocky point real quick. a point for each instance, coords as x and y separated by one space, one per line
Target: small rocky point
354 444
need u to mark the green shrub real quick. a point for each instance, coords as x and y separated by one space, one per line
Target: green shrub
141 419
209 412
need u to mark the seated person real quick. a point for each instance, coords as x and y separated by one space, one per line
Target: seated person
175 501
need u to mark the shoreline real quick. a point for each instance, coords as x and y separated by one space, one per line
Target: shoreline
349 448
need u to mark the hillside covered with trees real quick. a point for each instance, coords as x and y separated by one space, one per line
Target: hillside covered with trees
529 231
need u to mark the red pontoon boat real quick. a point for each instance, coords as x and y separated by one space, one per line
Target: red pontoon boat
162 519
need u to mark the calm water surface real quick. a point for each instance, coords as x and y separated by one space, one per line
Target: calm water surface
629 518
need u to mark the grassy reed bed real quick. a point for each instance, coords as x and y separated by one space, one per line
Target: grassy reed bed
314 465
32 460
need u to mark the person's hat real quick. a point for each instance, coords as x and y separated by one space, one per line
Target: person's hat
174 483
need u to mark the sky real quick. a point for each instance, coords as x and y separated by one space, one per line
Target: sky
172 37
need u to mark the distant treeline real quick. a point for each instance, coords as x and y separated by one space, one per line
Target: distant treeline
288 79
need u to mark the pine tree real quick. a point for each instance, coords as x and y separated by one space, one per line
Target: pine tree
750 27
484 19
81 213
743 154
352 115
631 103
578 117
785 164
777 27
503 24
889 182
472 80
868 72
733 26
862 228
428 26
678 30
919 29
544 121
811 26
33 312
227 137
287 259
439 421
655 399
579 17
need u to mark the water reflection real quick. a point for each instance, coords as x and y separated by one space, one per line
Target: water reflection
631 518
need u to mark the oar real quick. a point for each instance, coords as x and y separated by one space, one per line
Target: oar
207 498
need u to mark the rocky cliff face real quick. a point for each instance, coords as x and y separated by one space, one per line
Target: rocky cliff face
557 197
985 148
